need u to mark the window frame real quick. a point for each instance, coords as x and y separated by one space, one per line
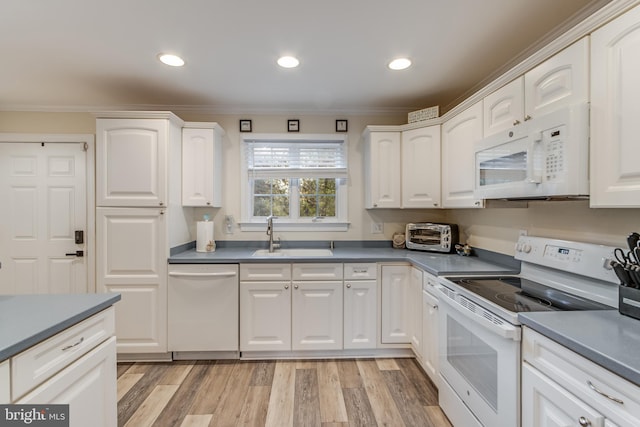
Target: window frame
294 223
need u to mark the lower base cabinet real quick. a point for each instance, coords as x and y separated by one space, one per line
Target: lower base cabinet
395 302
430 329
265 316
316 315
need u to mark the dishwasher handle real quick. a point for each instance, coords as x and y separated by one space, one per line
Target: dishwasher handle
189 274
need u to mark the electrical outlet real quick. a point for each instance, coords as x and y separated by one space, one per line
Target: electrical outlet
377 228
228 224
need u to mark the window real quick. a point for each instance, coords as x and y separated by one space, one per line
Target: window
299 179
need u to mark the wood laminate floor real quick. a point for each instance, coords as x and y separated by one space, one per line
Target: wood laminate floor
363 392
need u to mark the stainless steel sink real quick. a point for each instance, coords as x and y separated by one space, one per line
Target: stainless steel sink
302 252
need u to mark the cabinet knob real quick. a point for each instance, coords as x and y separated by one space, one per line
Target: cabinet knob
375 205
584 422
516 122
208 203
348 285
161 204
527 117
477 203
295 286
435 204
435 307
286 286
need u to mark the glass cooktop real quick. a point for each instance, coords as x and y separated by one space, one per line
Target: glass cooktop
517 294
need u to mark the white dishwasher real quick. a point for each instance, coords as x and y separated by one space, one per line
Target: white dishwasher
203 311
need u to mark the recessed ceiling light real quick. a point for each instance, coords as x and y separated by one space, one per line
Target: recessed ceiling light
172 60
400 64
288 62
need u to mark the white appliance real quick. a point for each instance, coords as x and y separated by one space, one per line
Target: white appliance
545 156
479 336
203 307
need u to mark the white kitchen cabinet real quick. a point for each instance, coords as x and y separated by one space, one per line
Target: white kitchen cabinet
395 304
615 102
360 305
459 135
559 81
316 316
415 311
316 313
265 307
131 259
203 302
132 156
430 328
382 170
202 164
5 382
420 184
558 385
88 386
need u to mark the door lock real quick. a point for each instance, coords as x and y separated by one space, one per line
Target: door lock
79 254
79 235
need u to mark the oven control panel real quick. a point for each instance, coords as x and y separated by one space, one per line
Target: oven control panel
586 259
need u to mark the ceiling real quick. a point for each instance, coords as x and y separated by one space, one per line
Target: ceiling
78 55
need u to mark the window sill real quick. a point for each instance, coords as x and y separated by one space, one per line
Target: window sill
295 226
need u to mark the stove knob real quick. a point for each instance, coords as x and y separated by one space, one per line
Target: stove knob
526 248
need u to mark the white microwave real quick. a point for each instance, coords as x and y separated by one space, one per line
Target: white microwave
543 157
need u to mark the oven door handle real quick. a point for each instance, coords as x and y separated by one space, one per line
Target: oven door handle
505 330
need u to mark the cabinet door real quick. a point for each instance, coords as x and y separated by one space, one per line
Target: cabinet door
421 168
615 102
430 336
560 81
395 306
265 316
131 162
382 170
360 313
415 313
201 167
504 108
317 315
88 386
5 392
459 135
546 404
132 260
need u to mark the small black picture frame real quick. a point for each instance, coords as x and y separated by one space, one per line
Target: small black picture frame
245 125
341 125
293 125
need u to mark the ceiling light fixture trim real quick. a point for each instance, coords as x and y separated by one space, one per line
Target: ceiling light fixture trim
400 64
171 60
288 62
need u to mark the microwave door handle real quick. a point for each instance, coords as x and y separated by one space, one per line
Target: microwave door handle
532 177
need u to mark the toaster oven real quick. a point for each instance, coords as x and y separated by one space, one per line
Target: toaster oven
429 236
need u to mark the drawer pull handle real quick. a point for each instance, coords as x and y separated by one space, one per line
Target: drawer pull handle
594 388
584 422
73 345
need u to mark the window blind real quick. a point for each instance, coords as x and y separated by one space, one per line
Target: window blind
296 159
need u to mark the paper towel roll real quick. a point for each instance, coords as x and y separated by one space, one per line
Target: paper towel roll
204 237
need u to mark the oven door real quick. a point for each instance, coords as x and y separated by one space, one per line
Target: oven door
480 360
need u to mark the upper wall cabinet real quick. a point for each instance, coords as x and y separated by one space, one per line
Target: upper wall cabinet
458 164
132 160
382 169
561 80
202 164
615 103
421 167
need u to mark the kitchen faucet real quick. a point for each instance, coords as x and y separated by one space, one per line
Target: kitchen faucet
272 246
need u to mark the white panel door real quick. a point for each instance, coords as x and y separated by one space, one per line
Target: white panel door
504 108
430 336
43 189
415 312
421 168
459 135
382 170
360 313
132 260
316 315
265 316
615 102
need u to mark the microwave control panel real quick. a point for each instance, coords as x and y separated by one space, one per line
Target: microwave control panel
553 140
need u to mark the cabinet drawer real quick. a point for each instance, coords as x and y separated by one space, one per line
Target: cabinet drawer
40 362
267 272
363 271
582 377
5 392
317 271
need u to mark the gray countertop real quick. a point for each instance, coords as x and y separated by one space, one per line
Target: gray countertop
26 320
434 263
605 337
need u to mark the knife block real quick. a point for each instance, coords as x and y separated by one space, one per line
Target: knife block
629 301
